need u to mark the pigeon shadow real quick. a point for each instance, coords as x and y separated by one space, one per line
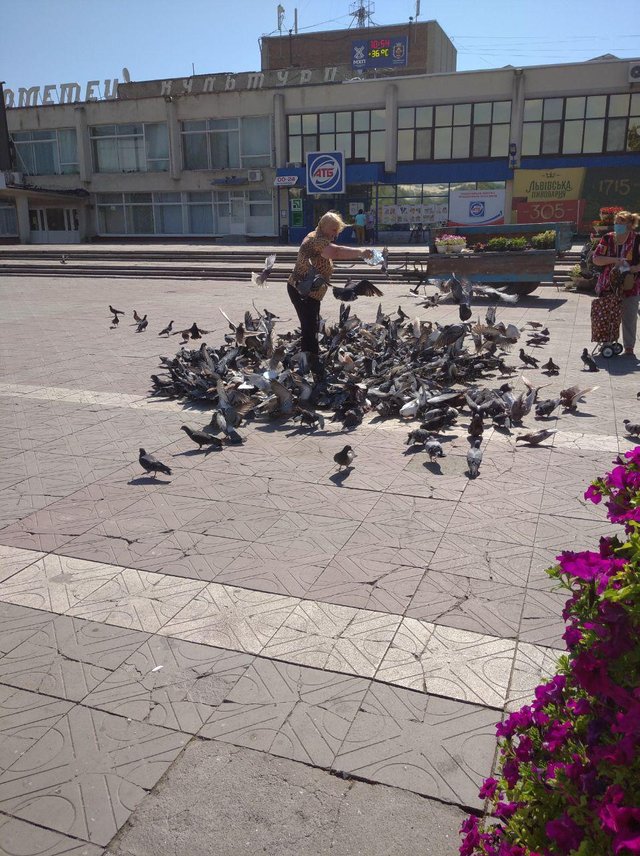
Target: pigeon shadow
622 367
581 413
549 303
340 477
147 480
189 453
433 467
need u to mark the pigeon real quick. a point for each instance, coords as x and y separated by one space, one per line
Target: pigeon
201 437
419 437
344 457
434 449
550 367
151 464
136 317
353 290
63 259
545 408
528 360
632 428
534 438
535 324
260 279
476 426
142 325
588 360
166 330
474 459
571 396
384 264
115 311
115 321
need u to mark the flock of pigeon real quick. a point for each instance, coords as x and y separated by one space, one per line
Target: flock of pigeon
393 367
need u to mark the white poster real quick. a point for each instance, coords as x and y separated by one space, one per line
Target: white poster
412 215
476 207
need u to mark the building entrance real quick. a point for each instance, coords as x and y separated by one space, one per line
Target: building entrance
54 226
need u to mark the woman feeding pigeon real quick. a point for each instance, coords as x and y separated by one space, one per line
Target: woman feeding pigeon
618 254
311 277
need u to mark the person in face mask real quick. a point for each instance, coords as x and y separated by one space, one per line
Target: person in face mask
618 254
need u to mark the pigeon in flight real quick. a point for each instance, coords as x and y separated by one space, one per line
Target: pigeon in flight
571 396
588 360
474 459
201 438
115 311
151 464
261 278
354 290
344 458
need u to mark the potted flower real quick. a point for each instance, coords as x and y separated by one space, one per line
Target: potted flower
581 279
450 243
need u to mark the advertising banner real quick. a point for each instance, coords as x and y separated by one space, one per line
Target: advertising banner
476 207
382 52
326 172
414 214
608 186
543 185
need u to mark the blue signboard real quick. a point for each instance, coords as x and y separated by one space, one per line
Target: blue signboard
379 53
325 172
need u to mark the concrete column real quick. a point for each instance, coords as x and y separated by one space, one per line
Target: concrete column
175 151
391 128
280 129
22 213
84 145
515 133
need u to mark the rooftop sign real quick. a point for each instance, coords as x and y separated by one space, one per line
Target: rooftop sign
379 53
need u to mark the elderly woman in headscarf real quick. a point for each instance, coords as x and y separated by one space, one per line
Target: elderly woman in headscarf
311 277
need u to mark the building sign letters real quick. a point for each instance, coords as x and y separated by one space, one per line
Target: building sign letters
63 93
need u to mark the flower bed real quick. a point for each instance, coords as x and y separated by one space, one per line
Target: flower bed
450 243
569 766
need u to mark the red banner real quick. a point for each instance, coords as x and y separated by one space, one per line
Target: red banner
549 211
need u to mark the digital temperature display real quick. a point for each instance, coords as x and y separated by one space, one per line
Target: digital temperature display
379 53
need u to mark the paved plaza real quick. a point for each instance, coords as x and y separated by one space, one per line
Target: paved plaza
256 654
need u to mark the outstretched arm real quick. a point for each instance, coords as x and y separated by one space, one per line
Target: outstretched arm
346 254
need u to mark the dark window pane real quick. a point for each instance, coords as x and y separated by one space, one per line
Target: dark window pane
195 126
533 110
501 112
572 140
195 151
593 135
551 138
423 144
482 113
481 137
616 135
46 158
55 219
140 219
553 108
574 108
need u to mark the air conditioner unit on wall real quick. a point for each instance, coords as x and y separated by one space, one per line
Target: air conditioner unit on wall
14 178
254 175
634 72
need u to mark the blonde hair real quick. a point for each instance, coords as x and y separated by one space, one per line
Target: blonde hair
331 217
627 217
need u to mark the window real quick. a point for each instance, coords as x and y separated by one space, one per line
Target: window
47 152
8 218
581 124
227 143
130 148
454 131
359 134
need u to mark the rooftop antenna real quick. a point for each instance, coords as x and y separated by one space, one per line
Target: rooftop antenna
417 9
280 17
361 12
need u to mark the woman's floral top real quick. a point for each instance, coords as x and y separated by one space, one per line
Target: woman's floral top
310 252
608 246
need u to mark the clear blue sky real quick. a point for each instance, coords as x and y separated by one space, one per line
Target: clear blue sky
59 41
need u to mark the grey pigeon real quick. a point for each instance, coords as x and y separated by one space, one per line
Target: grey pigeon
588 360
534 438
434 449
151 464
545 408
344 458
142 325
201 437
115 311
353 290
474 459
528 360
550 367
632 428
265 273
166 330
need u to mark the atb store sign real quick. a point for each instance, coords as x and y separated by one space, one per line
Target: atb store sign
325 172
